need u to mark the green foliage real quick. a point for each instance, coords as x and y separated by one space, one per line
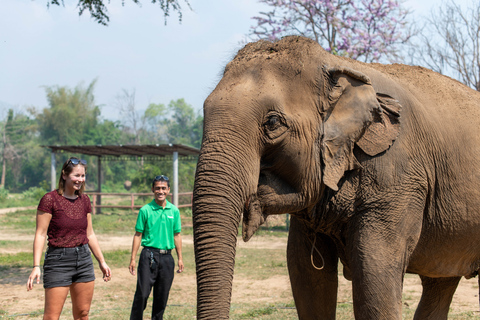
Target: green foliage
142 179
20 145
71 115
3 195
34 194
184 127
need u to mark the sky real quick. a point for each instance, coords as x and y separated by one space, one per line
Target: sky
42 47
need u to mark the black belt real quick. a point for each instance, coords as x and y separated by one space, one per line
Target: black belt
158 250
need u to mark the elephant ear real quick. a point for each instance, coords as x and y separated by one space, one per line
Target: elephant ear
354 114
383 131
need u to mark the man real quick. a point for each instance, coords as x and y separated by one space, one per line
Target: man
158 231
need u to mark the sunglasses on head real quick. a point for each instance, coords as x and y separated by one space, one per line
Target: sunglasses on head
77 161
161 178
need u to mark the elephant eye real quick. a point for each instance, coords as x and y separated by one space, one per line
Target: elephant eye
272 122
274 126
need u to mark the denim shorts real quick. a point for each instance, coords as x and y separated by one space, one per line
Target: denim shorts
64 266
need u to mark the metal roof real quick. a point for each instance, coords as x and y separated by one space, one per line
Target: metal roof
159 150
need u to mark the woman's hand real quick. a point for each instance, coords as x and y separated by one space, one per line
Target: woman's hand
35 274
107 273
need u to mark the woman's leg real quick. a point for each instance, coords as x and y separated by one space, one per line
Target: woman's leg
82 294
54 301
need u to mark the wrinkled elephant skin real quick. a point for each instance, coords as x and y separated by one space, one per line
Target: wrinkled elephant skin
379 166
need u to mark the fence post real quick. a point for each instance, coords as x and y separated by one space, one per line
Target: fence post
94 204
132 202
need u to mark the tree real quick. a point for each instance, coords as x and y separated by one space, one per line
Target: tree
154 118
450 42
184 127
126 103
98 9
20 141
71 114
367 30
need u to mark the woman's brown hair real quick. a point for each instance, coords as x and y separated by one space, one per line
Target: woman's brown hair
67 168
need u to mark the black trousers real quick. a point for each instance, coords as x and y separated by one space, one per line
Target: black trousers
157 274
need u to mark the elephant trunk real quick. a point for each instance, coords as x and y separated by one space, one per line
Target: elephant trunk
218 201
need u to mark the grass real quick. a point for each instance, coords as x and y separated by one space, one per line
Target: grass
13 200
256 265
15 244
115 223
20 220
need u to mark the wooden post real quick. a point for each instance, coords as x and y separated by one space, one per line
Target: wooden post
94 204
53 176
132 202
99 182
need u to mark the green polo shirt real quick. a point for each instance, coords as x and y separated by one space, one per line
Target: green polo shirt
158 225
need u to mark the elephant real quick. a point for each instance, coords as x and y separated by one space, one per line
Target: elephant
378 165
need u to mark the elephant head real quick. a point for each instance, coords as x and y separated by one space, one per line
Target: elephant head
280 127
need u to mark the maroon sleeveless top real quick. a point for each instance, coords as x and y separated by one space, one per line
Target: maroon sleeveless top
68 227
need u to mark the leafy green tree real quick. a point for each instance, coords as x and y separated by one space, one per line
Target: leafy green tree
142 178
154 119
184 126
20 142
106 132
98 9
72 113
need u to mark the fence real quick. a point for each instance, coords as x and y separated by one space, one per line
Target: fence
96 198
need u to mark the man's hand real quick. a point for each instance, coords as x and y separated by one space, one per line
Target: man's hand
131 267
180 266
137 239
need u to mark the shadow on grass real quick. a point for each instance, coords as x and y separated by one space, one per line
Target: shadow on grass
14 275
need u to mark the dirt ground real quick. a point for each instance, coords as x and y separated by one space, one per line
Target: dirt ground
16 300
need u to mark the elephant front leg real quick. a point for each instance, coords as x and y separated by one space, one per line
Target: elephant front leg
437 295
377 263
314 291
377 289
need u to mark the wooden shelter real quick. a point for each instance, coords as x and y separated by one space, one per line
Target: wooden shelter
112 152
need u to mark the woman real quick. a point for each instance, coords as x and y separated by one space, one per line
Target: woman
64 215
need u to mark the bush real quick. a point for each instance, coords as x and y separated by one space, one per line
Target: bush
33 195
3 194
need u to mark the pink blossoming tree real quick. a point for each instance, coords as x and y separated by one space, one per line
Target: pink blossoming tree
366 30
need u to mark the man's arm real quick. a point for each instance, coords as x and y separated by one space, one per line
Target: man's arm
177 238
137 240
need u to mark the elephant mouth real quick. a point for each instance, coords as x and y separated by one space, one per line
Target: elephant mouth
267 202
253 217
273 196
